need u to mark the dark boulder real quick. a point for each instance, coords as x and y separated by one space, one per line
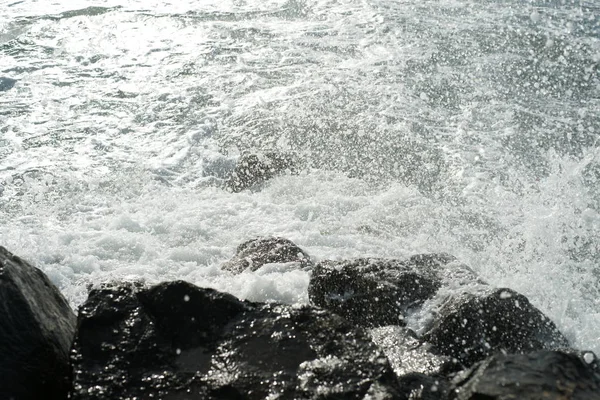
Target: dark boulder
178 341
377 292
547 375
36 331
472 326
253 254
254 169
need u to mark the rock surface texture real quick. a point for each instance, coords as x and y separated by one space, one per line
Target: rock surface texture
376 292
550 375
178 341
422 374
37 327
408 354
473 326
254 253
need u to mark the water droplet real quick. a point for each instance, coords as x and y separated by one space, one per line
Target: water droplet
589 357
505 295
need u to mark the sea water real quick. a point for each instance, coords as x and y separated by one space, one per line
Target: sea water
467 127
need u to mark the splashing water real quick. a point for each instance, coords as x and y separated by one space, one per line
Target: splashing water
425 126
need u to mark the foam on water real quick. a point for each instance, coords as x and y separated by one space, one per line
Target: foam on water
446 126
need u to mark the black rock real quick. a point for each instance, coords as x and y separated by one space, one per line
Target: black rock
36 331
547 375
377 292
253 169
253 254
417 386
178 341
472 326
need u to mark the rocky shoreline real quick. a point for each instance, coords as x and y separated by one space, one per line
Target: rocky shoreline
175 340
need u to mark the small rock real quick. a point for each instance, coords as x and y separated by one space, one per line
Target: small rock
253 169
471 326
254 253
176 340
377 292
36 331
550 375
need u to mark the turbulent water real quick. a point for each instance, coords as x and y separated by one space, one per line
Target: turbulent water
469 127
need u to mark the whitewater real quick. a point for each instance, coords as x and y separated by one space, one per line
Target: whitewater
466 127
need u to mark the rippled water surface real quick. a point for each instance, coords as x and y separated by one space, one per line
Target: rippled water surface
470 127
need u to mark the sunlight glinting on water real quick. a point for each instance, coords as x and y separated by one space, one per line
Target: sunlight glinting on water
423 126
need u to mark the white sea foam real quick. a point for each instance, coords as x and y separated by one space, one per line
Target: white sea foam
425 126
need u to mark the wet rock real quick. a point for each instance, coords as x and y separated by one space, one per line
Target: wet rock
376 292
408 354
422 374
121 350
253 169
417 386
472 326
588 357
543 374
178 341
36 331
254 253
